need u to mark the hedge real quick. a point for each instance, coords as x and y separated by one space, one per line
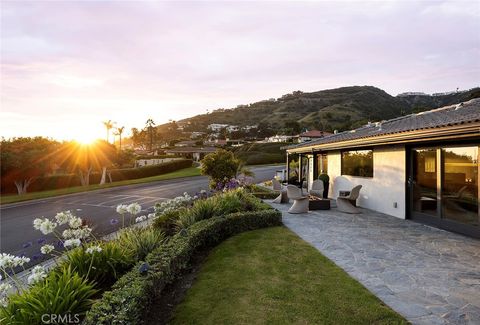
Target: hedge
70 180
133 294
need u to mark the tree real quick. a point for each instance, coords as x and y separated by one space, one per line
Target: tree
220 166
119 132
25 159
139 138
84 159
108 125
149 125
292 127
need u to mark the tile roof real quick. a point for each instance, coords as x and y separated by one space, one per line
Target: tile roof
314 134
467 112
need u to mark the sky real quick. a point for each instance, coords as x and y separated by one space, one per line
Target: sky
67 66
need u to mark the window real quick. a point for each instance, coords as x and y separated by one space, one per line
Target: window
357 163
322 164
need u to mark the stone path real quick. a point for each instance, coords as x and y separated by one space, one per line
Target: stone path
428 275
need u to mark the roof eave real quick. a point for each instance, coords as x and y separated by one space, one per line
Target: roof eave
447 132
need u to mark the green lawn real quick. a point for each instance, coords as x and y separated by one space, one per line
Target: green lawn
271 276
187 172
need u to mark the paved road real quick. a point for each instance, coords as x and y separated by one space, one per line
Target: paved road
18 236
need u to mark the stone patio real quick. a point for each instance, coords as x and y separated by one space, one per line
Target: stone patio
428 275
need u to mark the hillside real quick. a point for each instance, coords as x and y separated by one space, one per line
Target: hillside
340 108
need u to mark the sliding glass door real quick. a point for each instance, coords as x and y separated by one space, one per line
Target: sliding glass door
444 188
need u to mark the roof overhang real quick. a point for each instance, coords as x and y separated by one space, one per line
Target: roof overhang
461 131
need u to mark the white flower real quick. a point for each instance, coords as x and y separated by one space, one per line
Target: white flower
75 222
38 222
72 242
47 227
63 217
47 249
151 215
1 277
3 302
134 208
5 287
94 249
67 233
38 274
141 218
122 208
7 260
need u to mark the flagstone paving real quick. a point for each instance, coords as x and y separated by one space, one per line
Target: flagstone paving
428 275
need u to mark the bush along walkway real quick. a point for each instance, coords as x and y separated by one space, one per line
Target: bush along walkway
133 293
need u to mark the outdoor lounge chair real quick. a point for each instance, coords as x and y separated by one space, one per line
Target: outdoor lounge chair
317 188
344 203
300 202
282 196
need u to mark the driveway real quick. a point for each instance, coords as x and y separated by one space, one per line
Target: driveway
428 275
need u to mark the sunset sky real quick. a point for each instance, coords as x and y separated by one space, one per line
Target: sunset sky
67 66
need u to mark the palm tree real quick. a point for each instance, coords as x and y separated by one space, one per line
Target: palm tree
108 125
150 124
119 132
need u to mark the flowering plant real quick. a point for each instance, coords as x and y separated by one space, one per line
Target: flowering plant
170 205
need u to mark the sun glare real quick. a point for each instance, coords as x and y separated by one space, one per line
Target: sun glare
85 138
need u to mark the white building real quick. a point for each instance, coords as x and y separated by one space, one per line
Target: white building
215 127
423 167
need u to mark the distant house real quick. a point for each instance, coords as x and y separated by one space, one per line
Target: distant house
282 138
423 167
232 128
195 153
311 135
215 127
196 135
216 142
188 143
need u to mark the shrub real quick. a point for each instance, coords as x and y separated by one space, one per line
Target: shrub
132 294
62 293
70 180
138 242
167 221
220 166
102 267
204 209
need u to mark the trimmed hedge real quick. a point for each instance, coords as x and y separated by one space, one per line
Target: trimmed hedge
132 295
70 180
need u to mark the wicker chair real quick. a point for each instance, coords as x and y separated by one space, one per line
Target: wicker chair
300 202
282 196
344 203
317 188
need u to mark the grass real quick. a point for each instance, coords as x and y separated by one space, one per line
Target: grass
187 172
271 276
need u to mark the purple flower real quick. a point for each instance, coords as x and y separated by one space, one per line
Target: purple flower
41 241
113 221
26 245
144 268
59 244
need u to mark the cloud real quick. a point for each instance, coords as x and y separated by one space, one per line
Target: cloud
134 60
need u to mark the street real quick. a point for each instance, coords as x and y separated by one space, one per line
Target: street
98 207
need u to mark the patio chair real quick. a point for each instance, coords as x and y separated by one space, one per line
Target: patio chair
300 202
282 196
317 188
344 203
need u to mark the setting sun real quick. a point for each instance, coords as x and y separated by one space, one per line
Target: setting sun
85 138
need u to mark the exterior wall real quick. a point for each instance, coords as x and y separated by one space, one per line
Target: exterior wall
381 192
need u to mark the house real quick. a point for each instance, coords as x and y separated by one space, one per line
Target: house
215 127
195 153
187 143
233 128
423 166
282 138
311 135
